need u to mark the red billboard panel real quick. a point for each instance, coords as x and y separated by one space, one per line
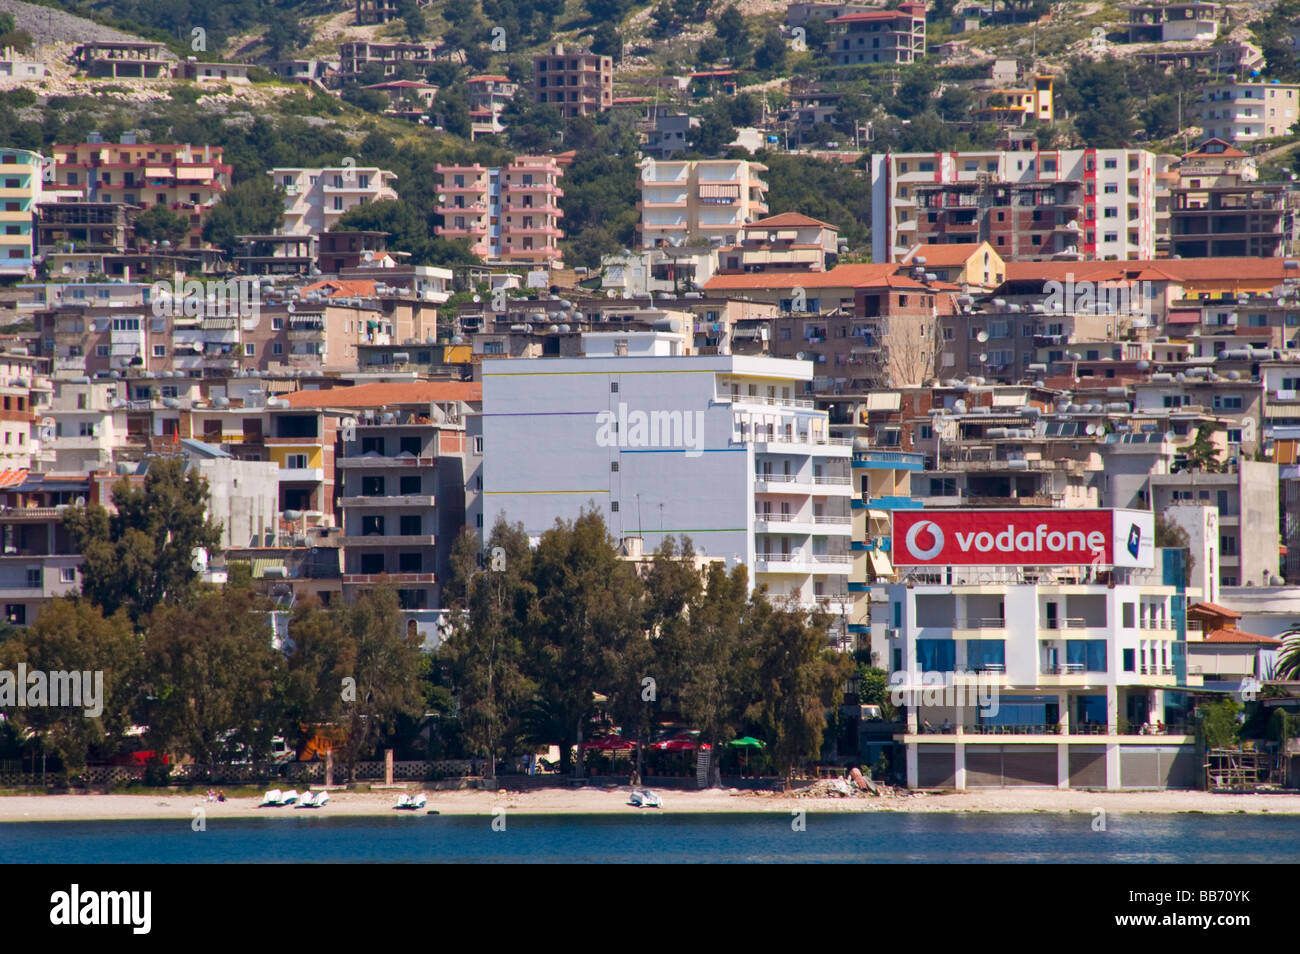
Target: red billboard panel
1021 538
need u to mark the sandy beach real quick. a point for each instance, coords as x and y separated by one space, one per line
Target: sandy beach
19 808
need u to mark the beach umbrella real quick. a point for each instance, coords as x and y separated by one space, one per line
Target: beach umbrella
609 743
679 744
747 742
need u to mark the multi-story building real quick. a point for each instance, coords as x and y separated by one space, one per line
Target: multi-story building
1015 105
356 55
124 59
369 12
1178 21
1246 497
1028 204
1218 209
712 199
403 488
787 242
81 228
1076 677
489 95
186 179
717 448
15 65
510 214
577 83
21 188
879 36
315 199
1244 112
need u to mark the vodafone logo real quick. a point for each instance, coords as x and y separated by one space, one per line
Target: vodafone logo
936 537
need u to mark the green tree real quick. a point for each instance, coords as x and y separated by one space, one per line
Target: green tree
1098 95
486 650
387 676
799 679
160 224
319 654
771 53
587 612
733 33
1288 657
252 207
1203 455
142 555
412 18
212 677
1218 724
72 635
451 107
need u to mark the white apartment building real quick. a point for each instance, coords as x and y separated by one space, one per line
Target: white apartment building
1059 682
1242 112
1029 204
719 449
317 198
712 199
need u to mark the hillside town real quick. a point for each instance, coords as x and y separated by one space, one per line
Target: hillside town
994 390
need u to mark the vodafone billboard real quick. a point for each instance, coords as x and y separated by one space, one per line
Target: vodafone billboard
1023 537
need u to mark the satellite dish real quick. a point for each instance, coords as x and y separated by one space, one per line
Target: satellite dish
983 358
982 337
799 356
477 298
1090 429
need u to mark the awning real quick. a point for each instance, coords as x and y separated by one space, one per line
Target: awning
880 564
1184 316
884 401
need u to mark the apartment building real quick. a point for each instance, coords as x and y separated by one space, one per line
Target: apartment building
356 55
315 199
1246 497
510 214
124 59
20 66
1030 205
1219 209
787 242
1014 105
879 36
489 95
243 495
1066 673
1179 21
576 82
183 178
403 490
369 12
95 228
709 199
1244 112
717 448
21 189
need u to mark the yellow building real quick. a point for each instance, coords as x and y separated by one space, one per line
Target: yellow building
1014 106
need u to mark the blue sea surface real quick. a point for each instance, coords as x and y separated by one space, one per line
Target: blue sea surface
870 837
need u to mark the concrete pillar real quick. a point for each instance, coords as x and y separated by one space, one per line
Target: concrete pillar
388 766
959 765
329 768
913 774
1112 765
1062 764
1063 707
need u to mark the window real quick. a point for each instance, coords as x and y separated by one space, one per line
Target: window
613 507
936 655
372 525
372 486
68 574
410 525
372 563
409 445
277 324
277 348
1227 544
1129 612
409 485
160 351
295 461
1088 653
249 349
410 562
613 467
101 351
34 578
1130 664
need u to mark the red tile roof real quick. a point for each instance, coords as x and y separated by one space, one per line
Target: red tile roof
344 288
388 393
1160 269
1238 637
1215 608
841 276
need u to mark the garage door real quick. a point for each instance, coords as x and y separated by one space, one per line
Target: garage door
1087 766
934 766
1159 766
1002 766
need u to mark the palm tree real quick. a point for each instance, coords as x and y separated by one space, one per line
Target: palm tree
1288 656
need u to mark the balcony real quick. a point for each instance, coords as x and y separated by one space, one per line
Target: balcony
376 460
391 540
396 579
301 474
397 500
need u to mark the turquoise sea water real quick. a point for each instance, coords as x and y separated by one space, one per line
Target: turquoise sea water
647 837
